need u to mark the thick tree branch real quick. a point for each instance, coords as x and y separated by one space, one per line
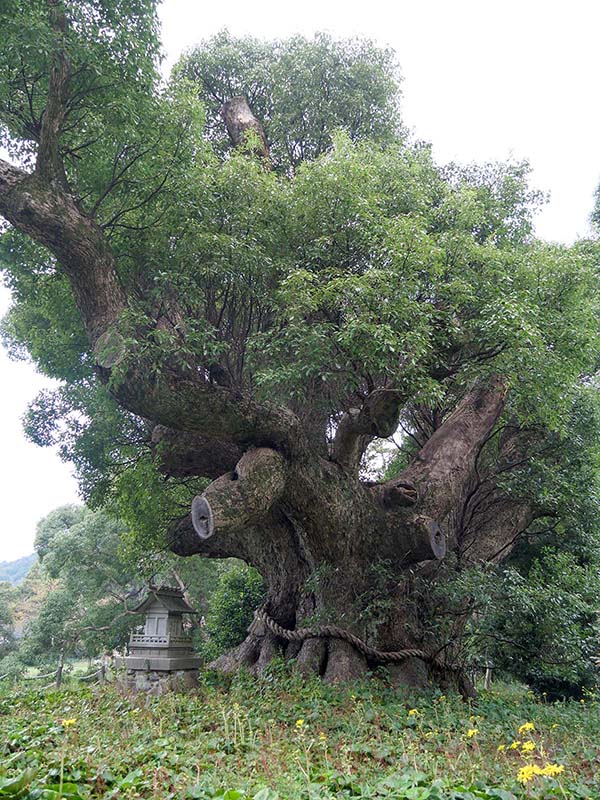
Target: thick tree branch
236 500
242 126
414 538
49 165
495 528
52 218
425 496
441 471
378 418
183 540
182 454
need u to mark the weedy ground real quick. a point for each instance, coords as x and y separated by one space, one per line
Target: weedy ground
281 738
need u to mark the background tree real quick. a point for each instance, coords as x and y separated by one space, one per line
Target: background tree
86 611
301 90
7 602
14 572
215 320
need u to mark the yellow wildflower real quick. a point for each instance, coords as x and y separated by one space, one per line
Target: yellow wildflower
501 748
514 745
528 747
529 771
526 727
472 732
66 723
553 769
299 723
414 712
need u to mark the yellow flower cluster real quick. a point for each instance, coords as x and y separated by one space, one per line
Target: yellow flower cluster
472 732
526 727
528 747
414 712
529 771
553 770
66 723
299 723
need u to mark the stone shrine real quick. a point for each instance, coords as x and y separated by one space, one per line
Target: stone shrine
162 657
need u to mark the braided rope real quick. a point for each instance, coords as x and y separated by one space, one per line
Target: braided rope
39 677
88 677
333 632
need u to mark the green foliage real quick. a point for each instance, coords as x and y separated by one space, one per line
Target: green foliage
544 630
113 49
534 619
143 496
282 738
56 524
302 90
239 591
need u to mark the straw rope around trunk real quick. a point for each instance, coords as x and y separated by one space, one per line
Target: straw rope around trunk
333 632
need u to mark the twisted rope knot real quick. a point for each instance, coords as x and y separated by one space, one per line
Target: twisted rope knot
333 632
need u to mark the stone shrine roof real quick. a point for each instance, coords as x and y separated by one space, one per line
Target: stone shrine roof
166 596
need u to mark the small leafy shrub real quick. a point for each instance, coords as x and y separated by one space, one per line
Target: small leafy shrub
11 666
239 592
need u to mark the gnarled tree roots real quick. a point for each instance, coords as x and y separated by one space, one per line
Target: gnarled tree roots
336 654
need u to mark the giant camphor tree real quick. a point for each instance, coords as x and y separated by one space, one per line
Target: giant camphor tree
236 327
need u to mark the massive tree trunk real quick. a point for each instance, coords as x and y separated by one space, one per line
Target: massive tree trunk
332 549
335 550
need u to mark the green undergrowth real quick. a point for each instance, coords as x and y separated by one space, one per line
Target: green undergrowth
281 738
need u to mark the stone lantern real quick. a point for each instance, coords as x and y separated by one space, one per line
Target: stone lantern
162 657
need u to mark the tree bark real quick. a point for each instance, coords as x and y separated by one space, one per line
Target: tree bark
332 549
377 418
243 127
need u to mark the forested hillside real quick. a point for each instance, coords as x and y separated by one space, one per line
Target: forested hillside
14 572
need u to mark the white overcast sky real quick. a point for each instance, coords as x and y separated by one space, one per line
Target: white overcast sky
483 80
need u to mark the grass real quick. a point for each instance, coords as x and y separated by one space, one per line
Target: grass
281 738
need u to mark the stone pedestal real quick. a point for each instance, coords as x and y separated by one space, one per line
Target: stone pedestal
161 681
